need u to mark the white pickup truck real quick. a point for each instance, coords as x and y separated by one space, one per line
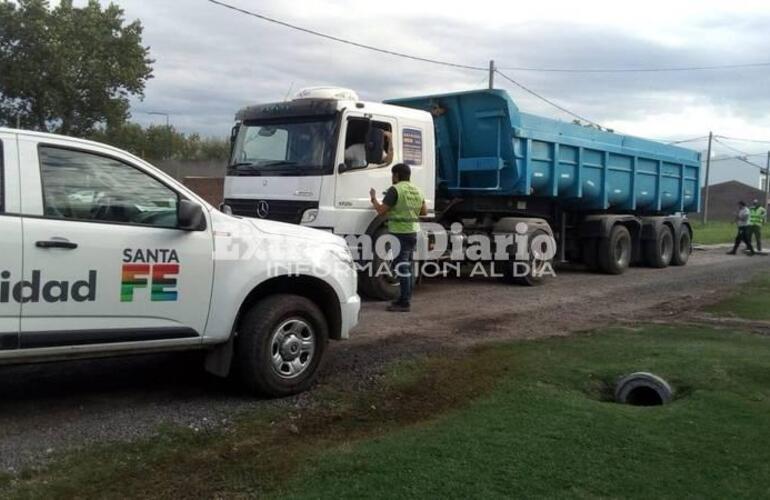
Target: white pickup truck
102 254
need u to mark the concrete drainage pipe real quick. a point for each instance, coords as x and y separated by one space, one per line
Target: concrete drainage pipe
643 389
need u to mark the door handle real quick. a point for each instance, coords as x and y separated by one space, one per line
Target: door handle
67 245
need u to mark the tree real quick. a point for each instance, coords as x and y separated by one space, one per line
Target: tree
156 142
69 69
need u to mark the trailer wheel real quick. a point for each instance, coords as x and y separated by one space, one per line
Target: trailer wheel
280 345
615 251
658 251
380 285
531 272
682 247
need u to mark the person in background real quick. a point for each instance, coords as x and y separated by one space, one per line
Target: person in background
742 221
757 217
404 203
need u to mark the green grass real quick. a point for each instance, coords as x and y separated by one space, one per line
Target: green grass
521 419
751 301
713 232
545 431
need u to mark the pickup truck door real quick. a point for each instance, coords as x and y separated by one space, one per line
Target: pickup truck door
10 242
103 257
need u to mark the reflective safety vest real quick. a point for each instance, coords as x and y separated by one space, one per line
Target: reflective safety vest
757 216
404 217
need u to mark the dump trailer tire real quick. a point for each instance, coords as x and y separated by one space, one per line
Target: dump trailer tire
682 247
659 250
280 345
615 251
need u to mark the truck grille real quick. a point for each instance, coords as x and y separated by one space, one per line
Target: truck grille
277 210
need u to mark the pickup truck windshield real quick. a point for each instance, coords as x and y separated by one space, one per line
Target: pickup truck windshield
291 148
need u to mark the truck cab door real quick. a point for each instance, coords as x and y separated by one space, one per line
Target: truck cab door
10 243
355 176
105 260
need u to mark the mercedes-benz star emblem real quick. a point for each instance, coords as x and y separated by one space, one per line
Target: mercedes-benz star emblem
263 209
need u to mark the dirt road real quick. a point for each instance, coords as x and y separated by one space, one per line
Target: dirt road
47 408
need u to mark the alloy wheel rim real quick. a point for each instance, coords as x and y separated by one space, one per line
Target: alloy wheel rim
292 347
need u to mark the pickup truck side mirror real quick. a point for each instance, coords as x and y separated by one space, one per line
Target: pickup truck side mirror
375 145
190 216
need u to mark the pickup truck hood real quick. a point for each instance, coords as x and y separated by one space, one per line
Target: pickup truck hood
295 231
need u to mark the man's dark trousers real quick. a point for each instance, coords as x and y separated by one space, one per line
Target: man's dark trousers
743 237
402 266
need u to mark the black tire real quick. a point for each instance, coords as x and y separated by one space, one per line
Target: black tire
258 337
659 251
382 287
590 251
682 247
615 251
535 267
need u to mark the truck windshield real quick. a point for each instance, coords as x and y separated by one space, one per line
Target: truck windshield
284 148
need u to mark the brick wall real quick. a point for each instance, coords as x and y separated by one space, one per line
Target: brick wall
724 198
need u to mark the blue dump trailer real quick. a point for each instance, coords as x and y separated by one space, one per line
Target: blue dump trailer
486 147
609 200
603 200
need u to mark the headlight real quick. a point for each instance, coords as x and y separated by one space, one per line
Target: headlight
309 215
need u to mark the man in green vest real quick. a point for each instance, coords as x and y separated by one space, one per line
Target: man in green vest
403 203
757 217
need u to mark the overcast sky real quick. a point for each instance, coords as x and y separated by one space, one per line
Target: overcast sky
210 61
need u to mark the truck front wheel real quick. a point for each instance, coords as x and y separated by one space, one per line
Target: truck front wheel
615 251
281 342
379 282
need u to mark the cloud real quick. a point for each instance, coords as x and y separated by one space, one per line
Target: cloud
211 61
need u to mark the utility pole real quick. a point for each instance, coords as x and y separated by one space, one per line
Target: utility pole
705 213
491 74
767 180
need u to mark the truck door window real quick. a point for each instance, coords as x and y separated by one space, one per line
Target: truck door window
355 139
88 187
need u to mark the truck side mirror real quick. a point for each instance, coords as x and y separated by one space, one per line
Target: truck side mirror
190 216
233 136
375 145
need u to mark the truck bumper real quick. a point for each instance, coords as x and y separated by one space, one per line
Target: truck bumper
350 310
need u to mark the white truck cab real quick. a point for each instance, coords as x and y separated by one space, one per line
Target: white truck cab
304 161
102 254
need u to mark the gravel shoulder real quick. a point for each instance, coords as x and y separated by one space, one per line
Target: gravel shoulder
48 408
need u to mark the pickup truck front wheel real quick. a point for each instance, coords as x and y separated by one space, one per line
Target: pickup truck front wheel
281 342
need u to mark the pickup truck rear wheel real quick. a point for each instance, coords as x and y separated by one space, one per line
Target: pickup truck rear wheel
615 251
280 345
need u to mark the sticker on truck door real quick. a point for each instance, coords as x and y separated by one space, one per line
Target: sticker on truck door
412 142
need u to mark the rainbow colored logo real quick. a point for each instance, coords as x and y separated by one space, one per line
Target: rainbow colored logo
160 278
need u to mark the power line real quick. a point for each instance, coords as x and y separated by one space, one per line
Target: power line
640 70
545 99
739 151
742 140
345 41
689 140
726 158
